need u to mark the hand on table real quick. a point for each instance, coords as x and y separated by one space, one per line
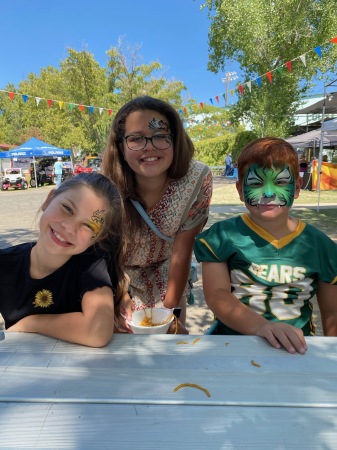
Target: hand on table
280 334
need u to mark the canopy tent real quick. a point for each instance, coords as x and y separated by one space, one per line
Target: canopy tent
316 108
326 136
313 138
330 125
35 148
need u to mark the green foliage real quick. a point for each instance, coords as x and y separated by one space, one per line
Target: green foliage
82 81
210 123
262 36
241 140
212 151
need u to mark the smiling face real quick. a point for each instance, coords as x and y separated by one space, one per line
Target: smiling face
149 162
71 221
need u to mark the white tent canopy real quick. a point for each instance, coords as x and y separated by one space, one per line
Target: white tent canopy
326 136
313 138
330 125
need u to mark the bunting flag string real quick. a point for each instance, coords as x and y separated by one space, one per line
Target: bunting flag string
60 103
240 88
269 75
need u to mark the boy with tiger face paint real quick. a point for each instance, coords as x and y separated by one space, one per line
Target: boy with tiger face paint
269 182
263 186
261 269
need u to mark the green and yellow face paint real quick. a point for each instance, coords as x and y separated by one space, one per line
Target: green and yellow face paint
268 186
96 223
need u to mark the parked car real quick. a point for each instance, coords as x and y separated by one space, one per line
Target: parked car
14 178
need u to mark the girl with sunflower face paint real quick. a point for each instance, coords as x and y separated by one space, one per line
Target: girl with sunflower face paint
261 269
69 283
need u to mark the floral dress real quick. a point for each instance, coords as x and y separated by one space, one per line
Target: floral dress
184 205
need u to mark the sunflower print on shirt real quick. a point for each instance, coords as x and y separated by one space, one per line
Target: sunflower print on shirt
43 299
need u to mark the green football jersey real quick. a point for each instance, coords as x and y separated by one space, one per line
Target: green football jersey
276 278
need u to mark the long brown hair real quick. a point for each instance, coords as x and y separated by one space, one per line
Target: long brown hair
116 168
110 240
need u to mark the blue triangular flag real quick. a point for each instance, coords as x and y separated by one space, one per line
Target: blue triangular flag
318 51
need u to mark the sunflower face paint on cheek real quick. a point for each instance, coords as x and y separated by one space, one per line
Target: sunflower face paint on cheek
269 185
97 222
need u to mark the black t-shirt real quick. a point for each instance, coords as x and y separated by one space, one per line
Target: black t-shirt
60 292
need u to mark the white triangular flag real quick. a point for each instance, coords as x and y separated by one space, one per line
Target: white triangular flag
249 84
303 60
37 99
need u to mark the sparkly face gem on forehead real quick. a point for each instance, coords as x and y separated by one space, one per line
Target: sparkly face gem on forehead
158 124
97 221
269 185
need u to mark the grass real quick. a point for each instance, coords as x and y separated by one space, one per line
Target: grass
325 219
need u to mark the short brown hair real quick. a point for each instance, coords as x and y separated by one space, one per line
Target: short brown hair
268 152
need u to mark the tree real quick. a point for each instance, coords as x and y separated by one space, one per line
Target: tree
262 36
209 123
129 77
241 140
81 81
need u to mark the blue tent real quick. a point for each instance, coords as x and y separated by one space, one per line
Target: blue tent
35 148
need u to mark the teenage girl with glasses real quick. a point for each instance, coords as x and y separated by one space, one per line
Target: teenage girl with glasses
150 157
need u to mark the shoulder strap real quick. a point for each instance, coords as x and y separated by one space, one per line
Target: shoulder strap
147 219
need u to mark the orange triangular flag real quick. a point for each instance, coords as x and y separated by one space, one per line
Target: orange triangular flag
269 75
334 40
109 112
81 107
11 95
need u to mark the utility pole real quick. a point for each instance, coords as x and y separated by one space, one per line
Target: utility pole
229 76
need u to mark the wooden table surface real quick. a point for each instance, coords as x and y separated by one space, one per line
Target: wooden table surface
58 395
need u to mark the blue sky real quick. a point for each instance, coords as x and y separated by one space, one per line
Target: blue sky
37 33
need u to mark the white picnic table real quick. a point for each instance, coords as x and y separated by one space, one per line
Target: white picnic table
59 395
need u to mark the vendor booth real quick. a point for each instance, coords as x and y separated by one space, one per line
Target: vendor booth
34 148
328 179
319 139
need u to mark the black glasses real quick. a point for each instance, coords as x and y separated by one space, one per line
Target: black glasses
137 142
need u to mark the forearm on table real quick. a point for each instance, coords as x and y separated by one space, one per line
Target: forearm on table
326 299
76 327
329 323
233 313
